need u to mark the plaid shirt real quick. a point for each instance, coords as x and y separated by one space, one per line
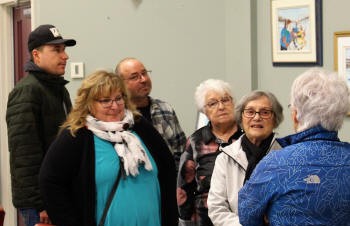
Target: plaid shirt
202 148
165 121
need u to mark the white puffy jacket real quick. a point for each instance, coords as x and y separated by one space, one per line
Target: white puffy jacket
227 179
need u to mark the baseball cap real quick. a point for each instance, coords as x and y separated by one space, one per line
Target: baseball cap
47 34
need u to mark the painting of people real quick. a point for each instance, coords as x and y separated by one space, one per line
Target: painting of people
294 24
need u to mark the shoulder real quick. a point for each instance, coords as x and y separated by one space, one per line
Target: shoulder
141 123
161 104
26 97
222 159
234 148
157 101
151 138
145 129
203 130
233 153
30 82
28 79
280 158
81 135
26 89
74 146
202 134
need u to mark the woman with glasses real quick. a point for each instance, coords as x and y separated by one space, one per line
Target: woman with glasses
308 181
259 113
105 140
214 99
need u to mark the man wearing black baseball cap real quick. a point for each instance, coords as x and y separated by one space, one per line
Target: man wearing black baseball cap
36 107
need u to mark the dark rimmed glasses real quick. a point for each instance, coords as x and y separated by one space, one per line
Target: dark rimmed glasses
107 103
263 113
227 100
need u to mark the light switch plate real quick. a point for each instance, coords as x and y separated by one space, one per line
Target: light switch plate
77 70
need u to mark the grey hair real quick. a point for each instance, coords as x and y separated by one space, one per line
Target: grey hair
204 87
321 98
256 94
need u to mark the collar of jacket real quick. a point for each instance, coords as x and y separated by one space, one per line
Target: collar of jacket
42 75
236 152
314 133
207 135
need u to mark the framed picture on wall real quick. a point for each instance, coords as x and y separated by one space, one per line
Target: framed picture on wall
296 32
342 54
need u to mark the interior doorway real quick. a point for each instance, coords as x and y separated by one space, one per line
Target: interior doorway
21 30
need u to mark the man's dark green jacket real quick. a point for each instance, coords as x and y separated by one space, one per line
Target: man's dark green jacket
36 107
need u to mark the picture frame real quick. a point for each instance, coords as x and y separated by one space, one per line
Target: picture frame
342 55
296 27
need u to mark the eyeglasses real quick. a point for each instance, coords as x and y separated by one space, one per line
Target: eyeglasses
107 103
215 103
138 75
263 113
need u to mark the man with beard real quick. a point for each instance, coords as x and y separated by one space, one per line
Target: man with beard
157 112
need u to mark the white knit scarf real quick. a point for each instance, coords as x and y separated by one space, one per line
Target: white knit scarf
127 145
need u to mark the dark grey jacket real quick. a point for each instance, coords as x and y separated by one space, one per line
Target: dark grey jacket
36 107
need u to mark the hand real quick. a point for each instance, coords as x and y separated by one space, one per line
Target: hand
266 221
190 169
181 196
44 218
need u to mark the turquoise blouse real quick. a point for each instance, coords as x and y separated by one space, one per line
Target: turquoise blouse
137 199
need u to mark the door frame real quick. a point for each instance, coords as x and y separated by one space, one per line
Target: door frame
7 83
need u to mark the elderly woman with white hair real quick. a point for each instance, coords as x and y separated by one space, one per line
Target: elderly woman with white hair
258 113
306 182
213 98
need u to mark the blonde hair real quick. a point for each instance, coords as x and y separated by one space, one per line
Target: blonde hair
99 84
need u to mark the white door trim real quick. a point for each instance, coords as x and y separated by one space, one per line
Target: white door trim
7 83
7 71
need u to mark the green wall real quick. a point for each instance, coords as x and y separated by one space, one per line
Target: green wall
279 79
185 42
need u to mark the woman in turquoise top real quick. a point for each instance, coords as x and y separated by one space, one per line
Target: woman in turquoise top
126 206
102 137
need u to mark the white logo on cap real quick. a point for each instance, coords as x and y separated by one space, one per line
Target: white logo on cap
55 32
